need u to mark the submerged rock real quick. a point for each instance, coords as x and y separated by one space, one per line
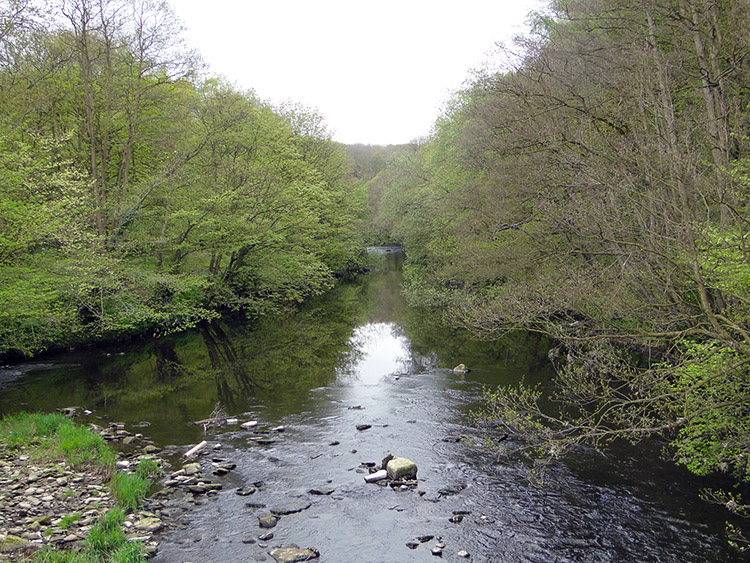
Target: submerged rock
267 520
292 554
321 491
290 508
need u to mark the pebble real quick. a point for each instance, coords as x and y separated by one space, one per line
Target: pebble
464 554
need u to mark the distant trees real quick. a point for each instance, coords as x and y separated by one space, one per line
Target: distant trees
596 192
137 197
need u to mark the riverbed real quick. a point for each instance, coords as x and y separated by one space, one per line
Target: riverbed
361 356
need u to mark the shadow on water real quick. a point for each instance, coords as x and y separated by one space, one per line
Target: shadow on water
360 345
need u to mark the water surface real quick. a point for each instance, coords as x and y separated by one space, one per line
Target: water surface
361 346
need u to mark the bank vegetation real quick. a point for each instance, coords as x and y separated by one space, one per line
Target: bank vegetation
596 190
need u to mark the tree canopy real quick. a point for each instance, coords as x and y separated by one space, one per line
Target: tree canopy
138 194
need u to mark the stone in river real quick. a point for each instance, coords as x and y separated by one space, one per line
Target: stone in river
293 554
266 537
362 427
463 553
192 468
436 551
424 539
290 508
321 491
412 544
267 520
400 467
249 424
245 491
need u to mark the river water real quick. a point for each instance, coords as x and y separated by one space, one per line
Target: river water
361 346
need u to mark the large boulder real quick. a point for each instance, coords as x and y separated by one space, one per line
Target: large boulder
401 468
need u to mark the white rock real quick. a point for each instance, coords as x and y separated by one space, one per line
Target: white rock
249 424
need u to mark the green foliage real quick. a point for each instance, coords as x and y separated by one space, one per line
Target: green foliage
595 191
710 390
138 199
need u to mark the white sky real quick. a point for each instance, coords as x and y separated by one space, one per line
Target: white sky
378 71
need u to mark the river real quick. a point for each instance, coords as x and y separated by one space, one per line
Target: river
361 356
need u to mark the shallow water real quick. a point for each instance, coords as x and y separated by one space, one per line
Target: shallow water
361 346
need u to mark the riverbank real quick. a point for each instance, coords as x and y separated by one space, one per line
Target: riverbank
64 489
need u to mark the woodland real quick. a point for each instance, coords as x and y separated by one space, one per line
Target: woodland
593 188
141 196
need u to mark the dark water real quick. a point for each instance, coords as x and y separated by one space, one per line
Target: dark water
361 346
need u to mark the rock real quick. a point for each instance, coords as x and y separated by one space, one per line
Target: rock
245 491
464 554
149 524
293 554
267 520
412 544
266 537
357 408
436 551
400 467
248 540
192 469
322 491
291 508
448 491
377 476
424 539
261 440
150 449
456 518
249 424
362 427
278 429
460 368
334 443
386 459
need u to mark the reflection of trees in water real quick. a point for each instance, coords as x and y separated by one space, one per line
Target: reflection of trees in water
225 363
168 364
435 344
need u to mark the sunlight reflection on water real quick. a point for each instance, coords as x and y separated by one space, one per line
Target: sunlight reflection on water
378 351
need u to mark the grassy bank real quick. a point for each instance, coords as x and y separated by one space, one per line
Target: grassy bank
51 439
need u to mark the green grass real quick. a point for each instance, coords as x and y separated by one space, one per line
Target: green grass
68 520
106 543
54 437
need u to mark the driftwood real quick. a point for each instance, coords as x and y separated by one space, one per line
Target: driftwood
218 417
194 450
